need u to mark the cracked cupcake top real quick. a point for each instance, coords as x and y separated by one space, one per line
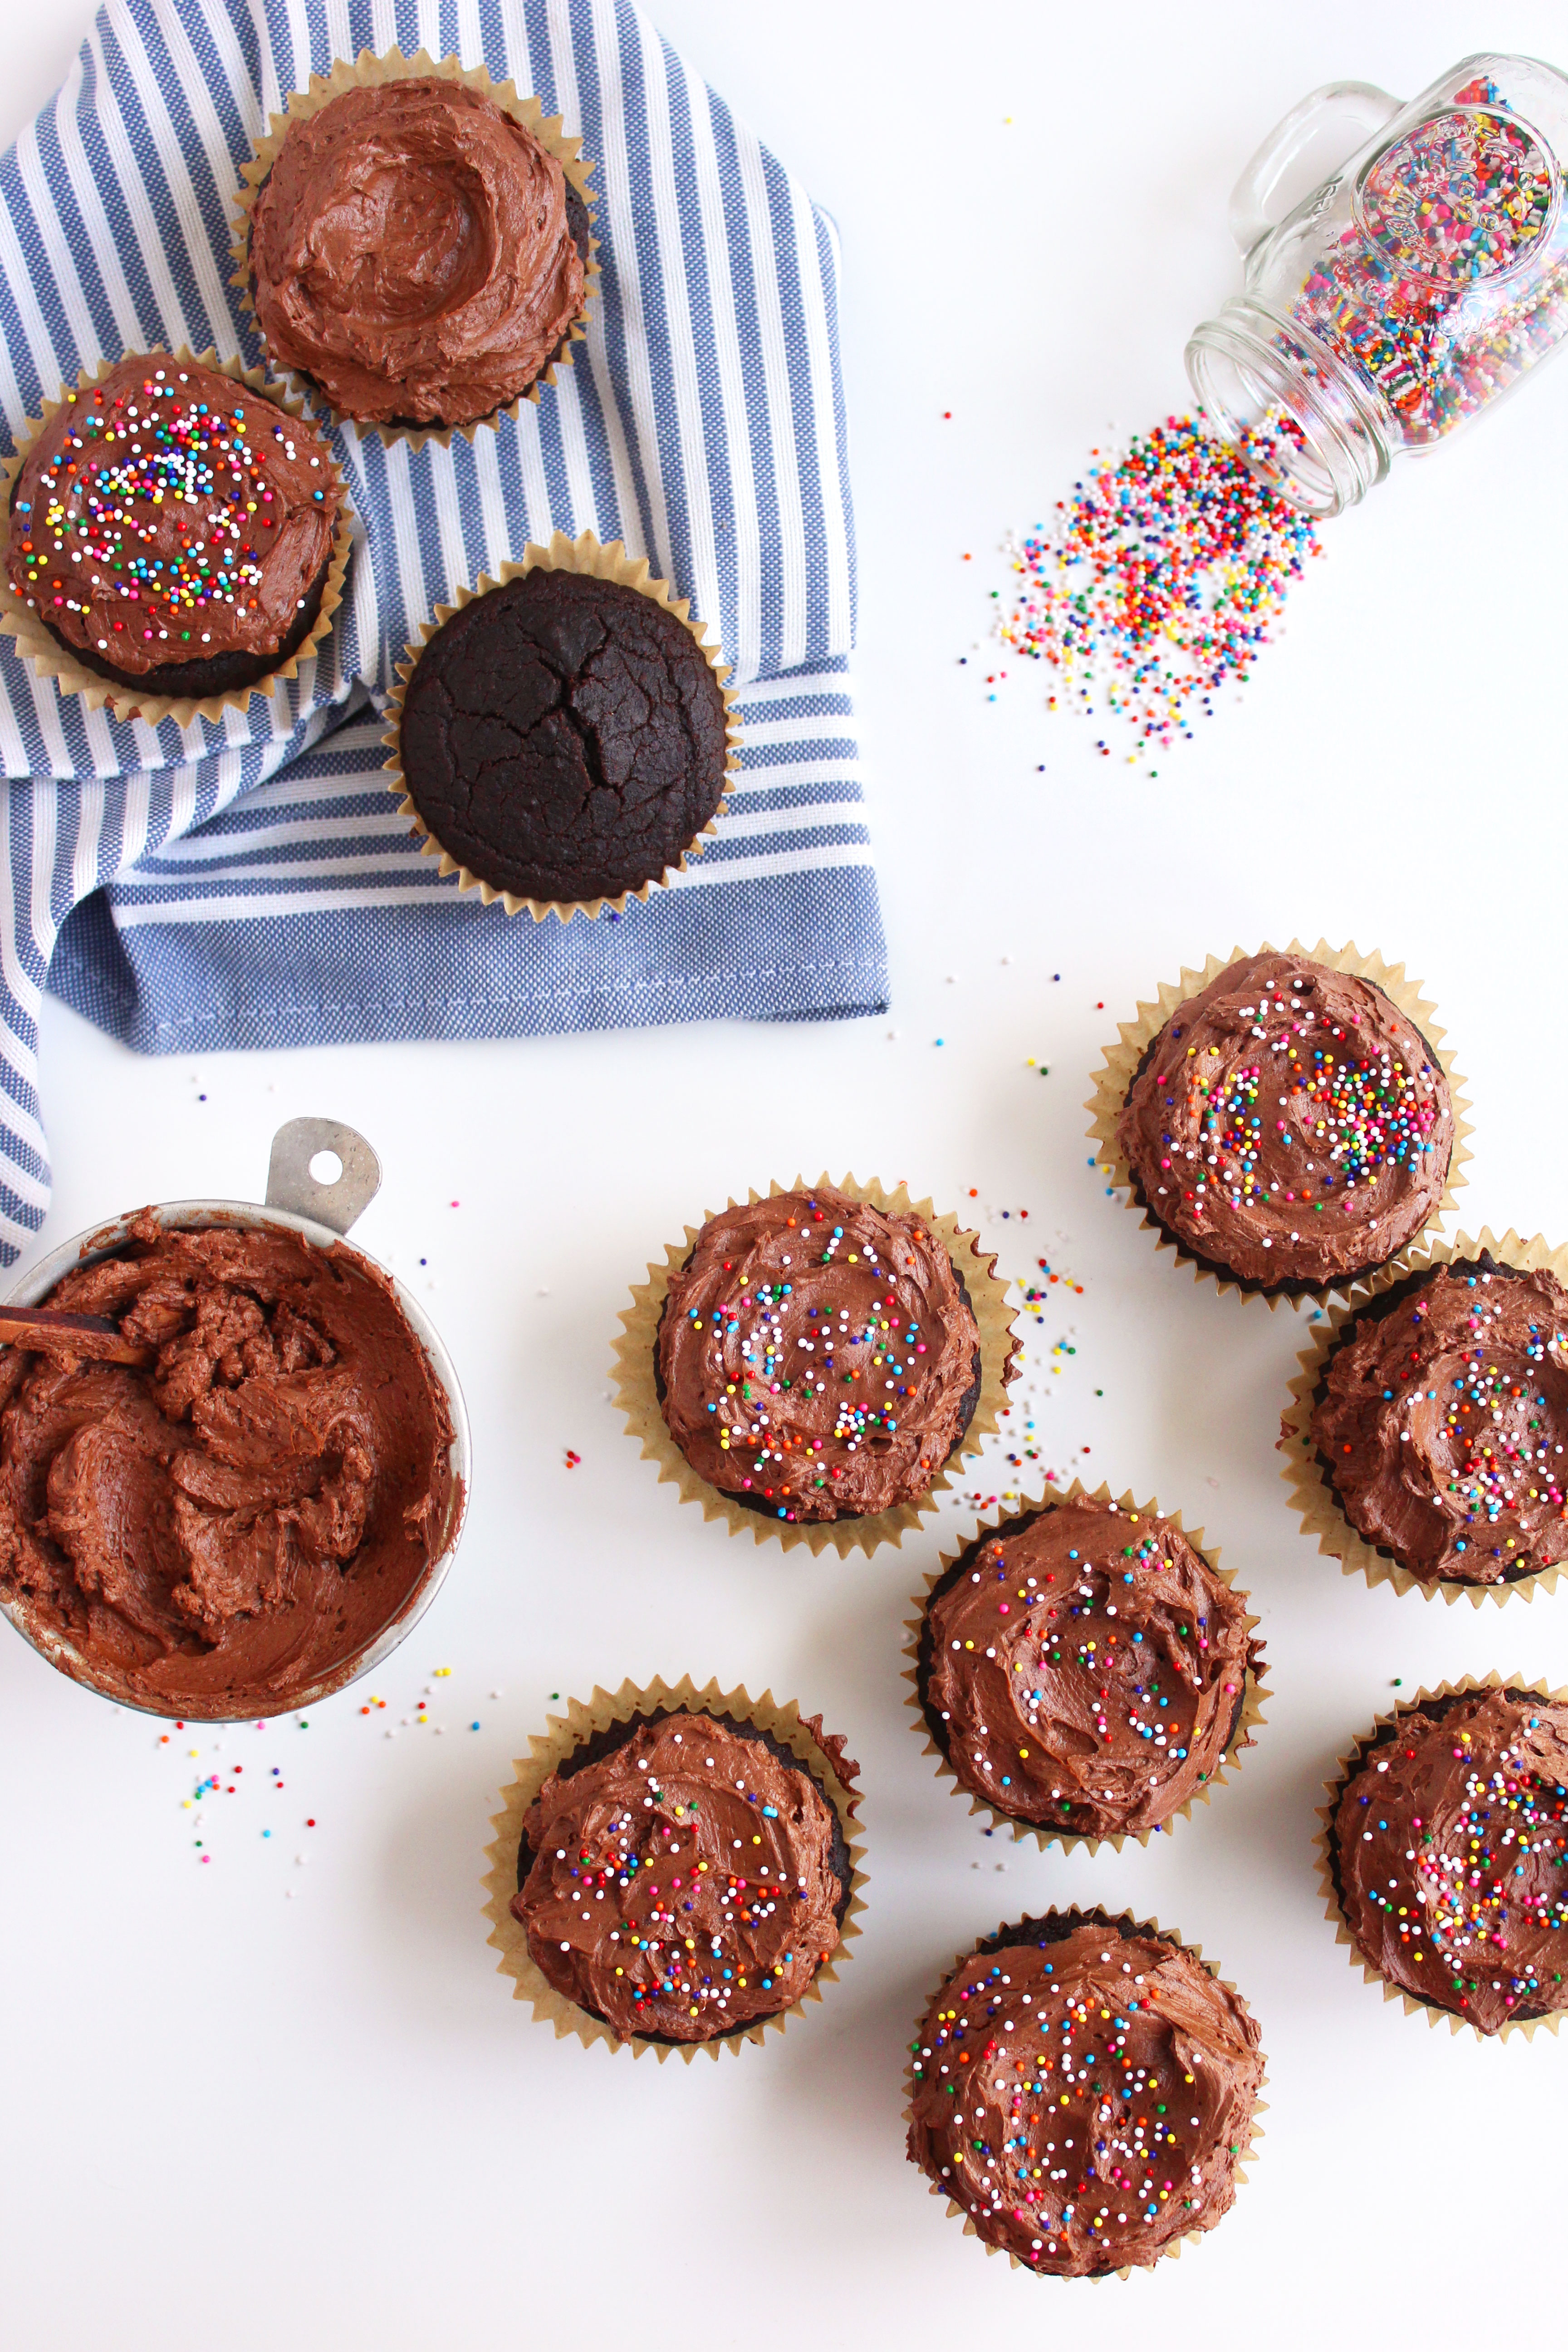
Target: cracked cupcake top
564 737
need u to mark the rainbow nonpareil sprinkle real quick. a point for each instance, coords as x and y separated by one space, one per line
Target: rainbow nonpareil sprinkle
1157 583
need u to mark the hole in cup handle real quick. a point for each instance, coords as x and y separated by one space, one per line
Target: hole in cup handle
1360 102
291 1186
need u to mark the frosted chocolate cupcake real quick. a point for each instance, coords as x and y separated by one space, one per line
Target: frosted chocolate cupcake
1084 1670
172 528
681 1877
1440 1419
417 253
1289 1127
1084 2090
1448 1855
817 1358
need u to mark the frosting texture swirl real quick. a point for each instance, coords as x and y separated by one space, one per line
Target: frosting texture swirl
681 1878
1441 1420
411 253
1083 2091
1450 1851
170 518
221 1530
1084 1669
816 1357
1289 1125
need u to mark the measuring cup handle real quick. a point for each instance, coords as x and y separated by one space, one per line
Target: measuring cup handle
291 1186
1360 102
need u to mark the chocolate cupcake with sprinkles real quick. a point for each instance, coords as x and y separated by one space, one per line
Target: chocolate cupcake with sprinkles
175 533
676 1869
1083 2090
811 1361
1445 1855
1287 1121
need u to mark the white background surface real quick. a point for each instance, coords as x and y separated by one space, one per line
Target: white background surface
258 2102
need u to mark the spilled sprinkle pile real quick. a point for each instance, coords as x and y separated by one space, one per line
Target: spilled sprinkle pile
1156 582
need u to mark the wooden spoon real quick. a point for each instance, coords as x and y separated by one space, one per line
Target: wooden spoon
54 1332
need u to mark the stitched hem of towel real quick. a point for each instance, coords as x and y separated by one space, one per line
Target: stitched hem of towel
382 1019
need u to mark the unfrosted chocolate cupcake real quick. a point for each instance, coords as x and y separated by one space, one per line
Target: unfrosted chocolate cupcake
1083 1669
1084 2090
682 1877
564 737
1289 1127
1440 1419
1447 1854
172 528
416 253
817 1358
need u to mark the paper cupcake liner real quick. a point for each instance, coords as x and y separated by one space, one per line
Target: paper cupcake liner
365 71
1349 1762
49 658
822 1753
1111 1084
1311 1494
637 1393
1090 1916
587 556
1256 1689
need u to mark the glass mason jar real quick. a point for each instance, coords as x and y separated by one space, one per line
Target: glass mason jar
1402 296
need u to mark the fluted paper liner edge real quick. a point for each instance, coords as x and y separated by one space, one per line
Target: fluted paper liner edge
1113 1082
1094 1916
1334 1790
129 699
1255 1691
366 71
1313 1498
822 1754
589 557
637 1395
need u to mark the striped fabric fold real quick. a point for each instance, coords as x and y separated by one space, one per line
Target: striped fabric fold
250 883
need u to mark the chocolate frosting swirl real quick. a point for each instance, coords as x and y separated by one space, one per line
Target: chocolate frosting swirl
1289 1127
1084 2090
411 253
1450 1851
169 517
681 1878
220 1531
1084 1669
816 1357
1441 1418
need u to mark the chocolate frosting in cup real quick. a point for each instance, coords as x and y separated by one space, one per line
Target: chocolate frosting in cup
216 1533
169 523
1447 1851
1441 1420
817 1358
681 1877
1084 2090
412 254
1289 1127
1084 1669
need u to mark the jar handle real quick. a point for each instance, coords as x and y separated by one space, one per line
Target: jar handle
1360 102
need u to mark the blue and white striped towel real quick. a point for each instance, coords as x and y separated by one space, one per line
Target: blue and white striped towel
251 883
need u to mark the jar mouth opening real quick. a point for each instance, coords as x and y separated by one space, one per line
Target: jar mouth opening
1287 408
